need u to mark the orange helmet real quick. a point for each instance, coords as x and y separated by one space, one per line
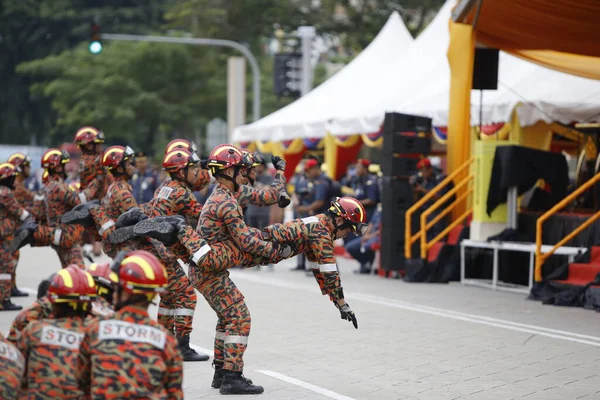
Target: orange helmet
224 156
19 159
87 135
140 273
114 156
72 284
8 170
180 144
179 159
352 211
54 158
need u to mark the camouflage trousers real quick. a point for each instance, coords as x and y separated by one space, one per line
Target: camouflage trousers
64 240
7 267
176 308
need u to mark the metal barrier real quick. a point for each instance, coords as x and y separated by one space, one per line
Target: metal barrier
409 238
540 257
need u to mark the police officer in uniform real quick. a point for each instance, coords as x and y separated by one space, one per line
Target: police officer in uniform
144 181
365 188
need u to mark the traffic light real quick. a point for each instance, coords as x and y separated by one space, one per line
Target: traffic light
288 74
95 45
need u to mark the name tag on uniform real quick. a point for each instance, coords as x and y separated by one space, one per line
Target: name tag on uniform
9 352
164 192
61 337
119 330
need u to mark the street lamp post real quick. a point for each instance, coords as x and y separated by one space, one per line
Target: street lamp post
204 42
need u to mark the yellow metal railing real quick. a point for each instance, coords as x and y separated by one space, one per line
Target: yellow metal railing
409 238
540 257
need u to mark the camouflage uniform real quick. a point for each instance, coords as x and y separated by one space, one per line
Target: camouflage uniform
232 243
11 215
90 168
45 342
40 309
64 239
179 304
12 365
129 356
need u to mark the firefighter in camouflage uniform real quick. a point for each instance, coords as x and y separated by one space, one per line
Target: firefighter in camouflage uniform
90 140
12 365
51 346
11 215
64 239
40 309
25 197
130 355
102 305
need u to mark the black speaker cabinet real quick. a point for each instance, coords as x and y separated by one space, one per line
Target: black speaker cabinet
396 195
405 143
393 242
392 165
485 69
396 122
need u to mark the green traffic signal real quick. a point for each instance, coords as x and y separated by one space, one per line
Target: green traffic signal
95 47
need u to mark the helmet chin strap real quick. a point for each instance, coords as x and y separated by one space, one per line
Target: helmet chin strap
236 171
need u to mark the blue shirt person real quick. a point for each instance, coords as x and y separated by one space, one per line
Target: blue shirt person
365 187
144 181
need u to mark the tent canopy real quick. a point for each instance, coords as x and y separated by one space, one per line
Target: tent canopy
307 117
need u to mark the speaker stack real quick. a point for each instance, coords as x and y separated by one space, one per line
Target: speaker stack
406 138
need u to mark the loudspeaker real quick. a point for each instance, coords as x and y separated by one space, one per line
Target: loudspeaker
485 69
396 122
393 242
398 166
396 195
405 143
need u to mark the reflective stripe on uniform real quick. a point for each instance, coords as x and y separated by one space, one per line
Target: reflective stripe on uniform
39 197
5 277
220 336
25 215
164 311
327 267
236 339
200 253
182 312
82 198
57 236
106 226
309 220
313 265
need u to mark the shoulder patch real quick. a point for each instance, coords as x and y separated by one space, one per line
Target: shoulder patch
164 192
112 329
61 337
9 352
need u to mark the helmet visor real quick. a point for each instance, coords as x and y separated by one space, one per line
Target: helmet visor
128 153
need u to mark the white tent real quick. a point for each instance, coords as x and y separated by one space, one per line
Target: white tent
368 73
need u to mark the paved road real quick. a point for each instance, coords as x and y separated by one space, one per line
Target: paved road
415 341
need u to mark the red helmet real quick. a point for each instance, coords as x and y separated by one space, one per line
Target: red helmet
8 170
54 158
19 159
87 135
179 159
224 156
352 211
72 284
101 274
180 144
114 156
140 273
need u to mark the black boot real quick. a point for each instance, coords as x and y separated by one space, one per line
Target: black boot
80 215
235 383
189 354
14 292
121 235
23 235
163 229
130 217
8 305
218 376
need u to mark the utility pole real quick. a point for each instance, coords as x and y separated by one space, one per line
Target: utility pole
307 35
204 42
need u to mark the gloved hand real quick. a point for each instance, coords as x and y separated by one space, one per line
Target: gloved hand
130 217
28 225
347 314
284 199
278 163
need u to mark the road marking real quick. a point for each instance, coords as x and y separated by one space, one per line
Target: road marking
440 312
305 385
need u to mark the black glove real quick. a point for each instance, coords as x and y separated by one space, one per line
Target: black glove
347 314
28 225
130 217
284 200
278 163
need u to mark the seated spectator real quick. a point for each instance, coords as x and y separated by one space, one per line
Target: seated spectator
361 248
